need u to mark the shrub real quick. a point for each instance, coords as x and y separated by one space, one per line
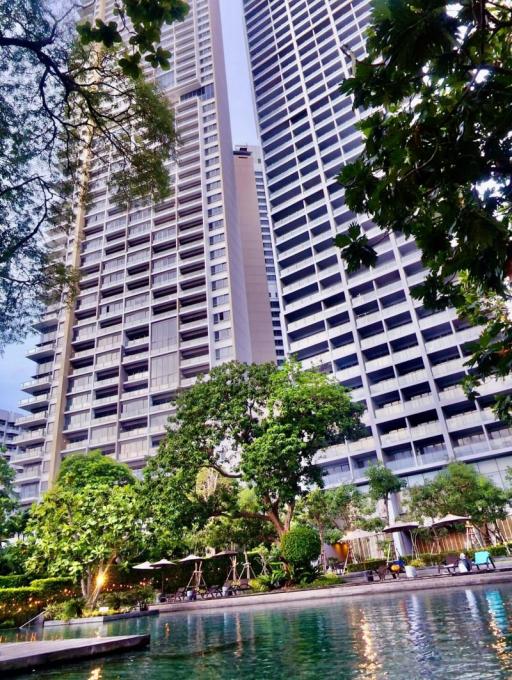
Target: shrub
300 545
13 581
20 604
8 623
54 587
64 611
260 584
366 565
418 563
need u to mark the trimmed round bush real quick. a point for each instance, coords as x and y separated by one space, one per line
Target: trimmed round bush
300 545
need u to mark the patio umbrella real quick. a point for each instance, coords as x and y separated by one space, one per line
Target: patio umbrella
450 519
197 575
400 526
356 534
233 570
162 564
143 565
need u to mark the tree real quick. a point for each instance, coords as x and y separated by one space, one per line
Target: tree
91 469
459 489
8 500
330 509
256 424
68 101
436 162
300 546
382 483
81 530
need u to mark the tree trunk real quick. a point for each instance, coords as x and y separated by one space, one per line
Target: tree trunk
323 556
278 525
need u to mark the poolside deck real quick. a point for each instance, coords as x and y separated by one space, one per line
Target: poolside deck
334 593
18 657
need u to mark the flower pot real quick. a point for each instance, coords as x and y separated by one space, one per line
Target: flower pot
410 572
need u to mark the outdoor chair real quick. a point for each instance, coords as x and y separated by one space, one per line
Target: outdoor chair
179 594
211 591
450 563
483 559
243 585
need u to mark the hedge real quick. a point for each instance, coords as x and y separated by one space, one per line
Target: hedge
13 581
22 603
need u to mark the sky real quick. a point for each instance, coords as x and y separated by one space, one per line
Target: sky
15 368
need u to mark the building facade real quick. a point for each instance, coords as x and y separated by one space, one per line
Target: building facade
253 212
162 287
401 360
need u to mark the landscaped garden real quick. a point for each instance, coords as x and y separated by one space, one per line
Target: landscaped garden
235 484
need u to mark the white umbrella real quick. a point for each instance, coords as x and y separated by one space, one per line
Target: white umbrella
196 580
161 564
143 565
192 558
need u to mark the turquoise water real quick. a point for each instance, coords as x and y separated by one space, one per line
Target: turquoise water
460 633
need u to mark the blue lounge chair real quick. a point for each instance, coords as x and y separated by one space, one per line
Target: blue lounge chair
483 559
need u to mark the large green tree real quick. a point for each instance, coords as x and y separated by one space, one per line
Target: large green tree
84 526
256 424
436 86
461 490
64 94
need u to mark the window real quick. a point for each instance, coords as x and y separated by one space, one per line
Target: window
164 334
223 334
218 285
220 300
221 317
219 268
217 238
215 254
164 371
223 353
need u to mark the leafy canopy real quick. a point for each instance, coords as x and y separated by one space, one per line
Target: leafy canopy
436 88
82 529
68 107
382 482
8 499
461 490
256 425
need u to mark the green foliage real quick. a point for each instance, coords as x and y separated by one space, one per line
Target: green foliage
64 611
51 587
418 563
436 161
461 490
300 545
382 483
367 565
261 584
82 531
144 20
117 600
84 469
254 424
8 499
67 100
325 581
13 581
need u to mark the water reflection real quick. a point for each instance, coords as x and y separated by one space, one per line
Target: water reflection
422 636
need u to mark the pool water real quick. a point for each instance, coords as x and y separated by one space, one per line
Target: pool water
459 633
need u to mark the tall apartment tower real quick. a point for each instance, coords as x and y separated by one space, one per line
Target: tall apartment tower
254 219
401 360
162 287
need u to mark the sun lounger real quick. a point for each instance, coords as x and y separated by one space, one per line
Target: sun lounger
243 585
179 595
211 591
483 559
450 563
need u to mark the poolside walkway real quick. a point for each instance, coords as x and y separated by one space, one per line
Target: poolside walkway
17 657
333 593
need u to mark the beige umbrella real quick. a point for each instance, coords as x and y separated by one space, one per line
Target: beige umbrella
196 580
450 519
162 564
143 565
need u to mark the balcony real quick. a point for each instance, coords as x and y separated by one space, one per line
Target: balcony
38 418
401 463
429 457
28 456
36 384
42 351
399 435
39 400
30 436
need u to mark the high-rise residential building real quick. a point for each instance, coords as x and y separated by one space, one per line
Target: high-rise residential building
254 220
10 430
403 361
162 287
